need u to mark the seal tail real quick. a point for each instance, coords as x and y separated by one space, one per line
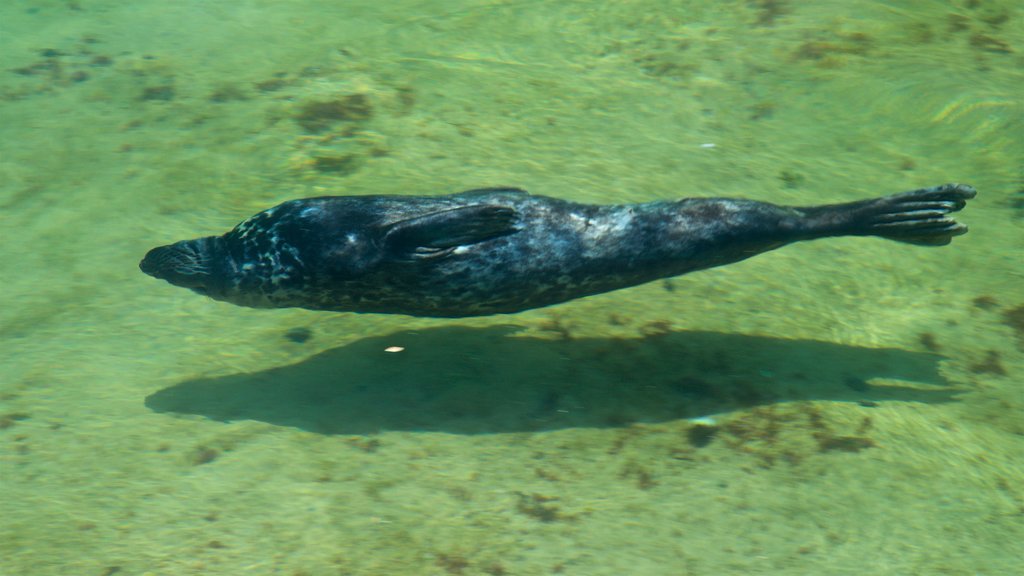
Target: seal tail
917 217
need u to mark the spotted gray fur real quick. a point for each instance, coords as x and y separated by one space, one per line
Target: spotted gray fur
495 251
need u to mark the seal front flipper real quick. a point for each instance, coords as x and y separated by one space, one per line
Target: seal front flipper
436 234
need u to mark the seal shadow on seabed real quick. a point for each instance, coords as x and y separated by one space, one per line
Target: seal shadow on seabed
491 380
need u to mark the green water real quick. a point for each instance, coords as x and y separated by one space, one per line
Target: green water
865 396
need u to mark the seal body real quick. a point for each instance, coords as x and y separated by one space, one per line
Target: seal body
501 250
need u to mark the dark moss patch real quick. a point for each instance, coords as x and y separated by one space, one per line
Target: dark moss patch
299 335
700 435
164 92
656 328
845 443
855 44
452 563
10 419
990 365
768 11
828 441
340 164
204 455
539 507
406 98
988 43
228 93
927 339
495 569
50 67
272 85
1017 201
556 325
318 115
643 477
920 33
957 23
985 302
51 53
1014 318
762 110
791 179
760 424
368 445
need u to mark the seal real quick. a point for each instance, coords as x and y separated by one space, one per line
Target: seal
503 250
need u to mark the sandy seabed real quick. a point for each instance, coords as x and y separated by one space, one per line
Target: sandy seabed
849 406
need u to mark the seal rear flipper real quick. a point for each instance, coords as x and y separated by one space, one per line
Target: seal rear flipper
916 217
438 233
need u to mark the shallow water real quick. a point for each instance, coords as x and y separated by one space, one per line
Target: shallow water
861 400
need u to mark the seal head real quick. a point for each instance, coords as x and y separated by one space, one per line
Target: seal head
191 264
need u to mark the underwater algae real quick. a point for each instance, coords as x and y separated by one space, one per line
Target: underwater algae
834 408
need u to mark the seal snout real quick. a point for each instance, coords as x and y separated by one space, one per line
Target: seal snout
182 264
